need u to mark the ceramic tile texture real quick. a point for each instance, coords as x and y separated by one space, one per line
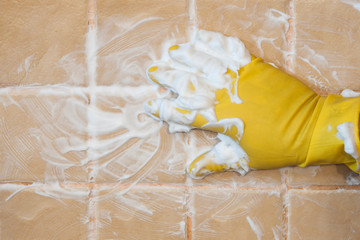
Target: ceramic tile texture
257 214
327 43
131 34
42 42
236 18
136 148
34 213
43 135
324 214
79 159
143 212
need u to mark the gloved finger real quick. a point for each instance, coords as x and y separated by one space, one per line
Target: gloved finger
179 119
190 87
172 111
224 156
180 81
167 110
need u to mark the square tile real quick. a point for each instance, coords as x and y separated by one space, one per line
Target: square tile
43 43
325 45
324 214
142 213
42 212
43 135
132 34
234 214
131 146
322 175
261 25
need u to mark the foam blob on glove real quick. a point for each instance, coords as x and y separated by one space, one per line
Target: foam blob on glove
265 118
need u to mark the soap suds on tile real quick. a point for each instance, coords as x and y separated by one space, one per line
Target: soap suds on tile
256 227
354 3
127 146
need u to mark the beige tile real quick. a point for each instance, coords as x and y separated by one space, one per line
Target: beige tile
29 212
42 42
142 213
131 35
326 44
324 214
131 146
43 135
322 175
231 214
261 25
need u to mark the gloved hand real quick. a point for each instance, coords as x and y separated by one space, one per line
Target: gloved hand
265 118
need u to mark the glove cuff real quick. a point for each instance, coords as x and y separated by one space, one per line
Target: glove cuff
325 146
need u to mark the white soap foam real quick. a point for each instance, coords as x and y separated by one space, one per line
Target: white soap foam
203 64
256 226
349 93
346 133
354 3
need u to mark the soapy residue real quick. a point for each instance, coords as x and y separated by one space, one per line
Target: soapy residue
127 146
218 211
228 152
354 3
256 227
346 132
349 93
194 71
112 140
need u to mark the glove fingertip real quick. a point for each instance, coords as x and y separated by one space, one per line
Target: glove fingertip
174 47
152 108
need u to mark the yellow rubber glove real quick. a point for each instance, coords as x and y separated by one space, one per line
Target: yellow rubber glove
276 119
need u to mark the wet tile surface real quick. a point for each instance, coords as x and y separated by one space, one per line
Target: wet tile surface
132 34
79 159
324 214
134 148
261 25
323 175
43 135
43 43
229 214
38 212
142 213
326 43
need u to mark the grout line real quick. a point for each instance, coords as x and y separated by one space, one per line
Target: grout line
281 187
189 182
285 187
291 37
290 58
92 20
193 24
64 89
189 207
326 187
18 183
91 60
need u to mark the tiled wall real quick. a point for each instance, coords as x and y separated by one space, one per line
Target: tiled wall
79 159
